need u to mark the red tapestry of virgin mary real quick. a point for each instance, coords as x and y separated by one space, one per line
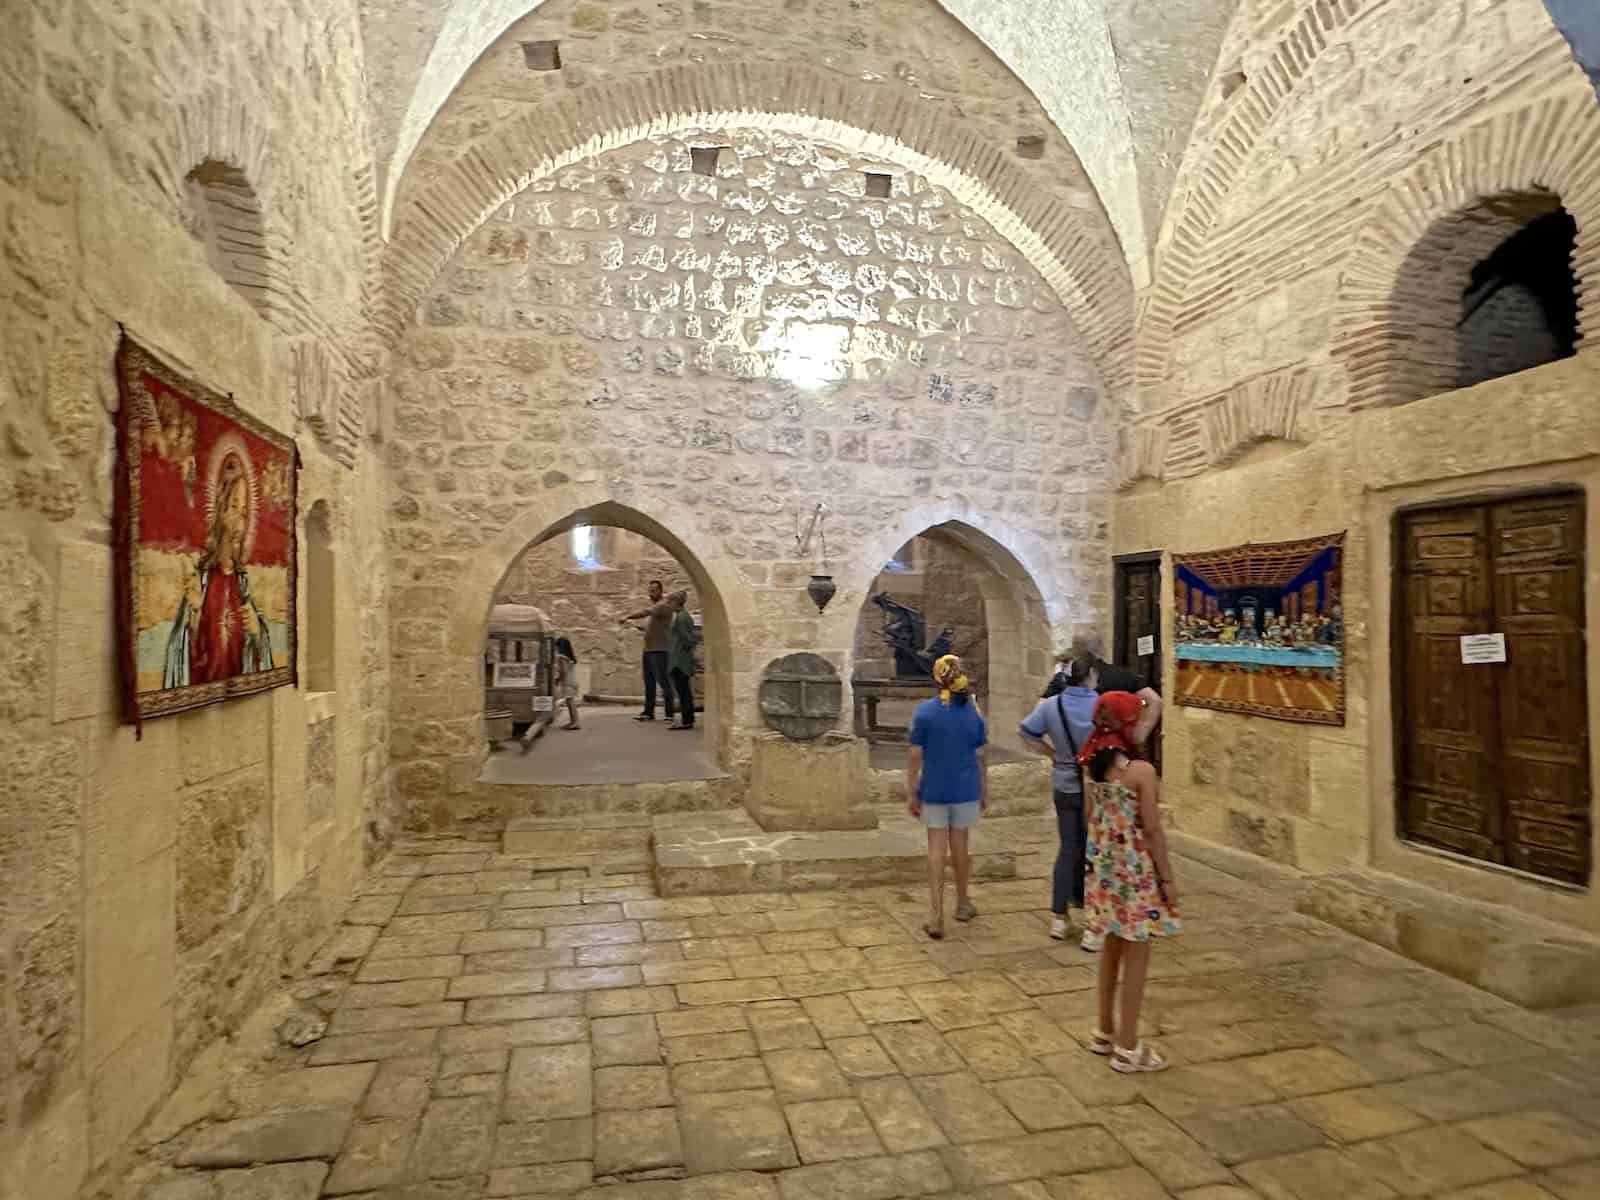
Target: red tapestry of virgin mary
206 549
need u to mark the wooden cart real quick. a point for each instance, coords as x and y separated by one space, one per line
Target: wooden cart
518 674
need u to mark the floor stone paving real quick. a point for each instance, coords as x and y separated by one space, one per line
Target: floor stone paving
510 1027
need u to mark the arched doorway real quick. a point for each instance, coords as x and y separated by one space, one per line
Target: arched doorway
437 712
975 585
589 584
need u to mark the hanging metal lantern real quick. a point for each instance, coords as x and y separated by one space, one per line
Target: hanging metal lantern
821 589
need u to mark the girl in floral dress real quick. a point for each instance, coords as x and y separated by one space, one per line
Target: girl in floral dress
1130 896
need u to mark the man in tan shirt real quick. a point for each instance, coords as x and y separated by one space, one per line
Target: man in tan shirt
657 643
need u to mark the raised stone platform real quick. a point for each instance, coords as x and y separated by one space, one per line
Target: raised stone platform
712 854
1530 962
1018 787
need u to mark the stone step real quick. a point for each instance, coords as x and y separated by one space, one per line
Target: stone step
566 837
1519 958
730 854
513 802
1016 789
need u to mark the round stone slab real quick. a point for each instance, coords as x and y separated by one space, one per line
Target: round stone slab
801 696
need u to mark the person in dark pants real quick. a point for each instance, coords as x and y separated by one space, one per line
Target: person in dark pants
680 658
1057 729
658 618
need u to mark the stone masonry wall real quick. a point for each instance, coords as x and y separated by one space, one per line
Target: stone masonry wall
629 331
154 887
1299 294
587 603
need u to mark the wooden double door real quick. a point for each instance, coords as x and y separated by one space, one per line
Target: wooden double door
1493 757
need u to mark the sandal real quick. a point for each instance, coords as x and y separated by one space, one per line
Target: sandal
966 910
1141 1058
936 932
1102 1043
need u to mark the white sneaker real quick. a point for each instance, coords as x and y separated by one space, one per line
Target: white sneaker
1093 942
1059 928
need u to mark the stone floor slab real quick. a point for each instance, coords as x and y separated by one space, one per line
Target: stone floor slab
1036 1156
805 1075
279 1137
1315 1175
1236 1135
631 1088
1356 1115
826 1130
1537 1139
965 1109
1118 1183
375 1155
1041 1102
547 1083
903 1122
640 1140
1431 1160
734 1131
537 1142
333 1087
721 1075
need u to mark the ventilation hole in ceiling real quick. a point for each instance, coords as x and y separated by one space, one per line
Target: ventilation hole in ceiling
542 56
703 159
879 184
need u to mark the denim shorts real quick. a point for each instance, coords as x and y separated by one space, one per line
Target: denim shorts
950 816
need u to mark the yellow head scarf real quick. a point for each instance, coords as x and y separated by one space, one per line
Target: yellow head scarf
948 675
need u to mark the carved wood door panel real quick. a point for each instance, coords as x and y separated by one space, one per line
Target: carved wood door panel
1538 589
1448 773
1493 758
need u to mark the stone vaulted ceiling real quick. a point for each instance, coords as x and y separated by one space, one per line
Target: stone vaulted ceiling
1122 80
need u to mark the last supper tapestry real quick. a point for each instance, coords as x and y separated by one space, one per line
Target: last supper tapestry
1260 629
205 543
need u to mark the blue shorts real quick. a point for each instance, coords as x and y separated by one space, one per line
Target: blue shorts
950 816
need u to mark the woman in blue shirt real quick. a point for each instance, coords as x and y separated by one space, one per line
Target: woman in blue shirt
947 784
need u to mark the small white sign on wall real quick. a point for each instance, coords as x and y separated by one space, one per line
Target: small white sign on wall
1147 645
514 674
543 704
1483 648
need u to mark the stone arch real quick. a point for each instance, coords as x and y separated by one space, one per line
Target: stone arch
218 156
719 591
225 217
212 129
1087 274
1022 628
1552 146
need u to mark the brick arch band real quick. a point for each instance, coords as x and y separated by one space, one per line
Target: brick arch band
1080 262
1553 146
213 125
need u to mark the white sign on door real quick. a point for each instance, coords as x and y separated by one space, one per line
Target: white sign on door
1147 645
1483 648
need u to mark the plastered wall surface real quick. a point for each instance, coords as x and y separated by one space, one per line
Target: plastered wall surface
154 888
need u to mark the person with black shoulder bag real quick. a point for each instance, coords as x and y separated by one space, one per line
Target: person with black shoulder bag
1056 728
